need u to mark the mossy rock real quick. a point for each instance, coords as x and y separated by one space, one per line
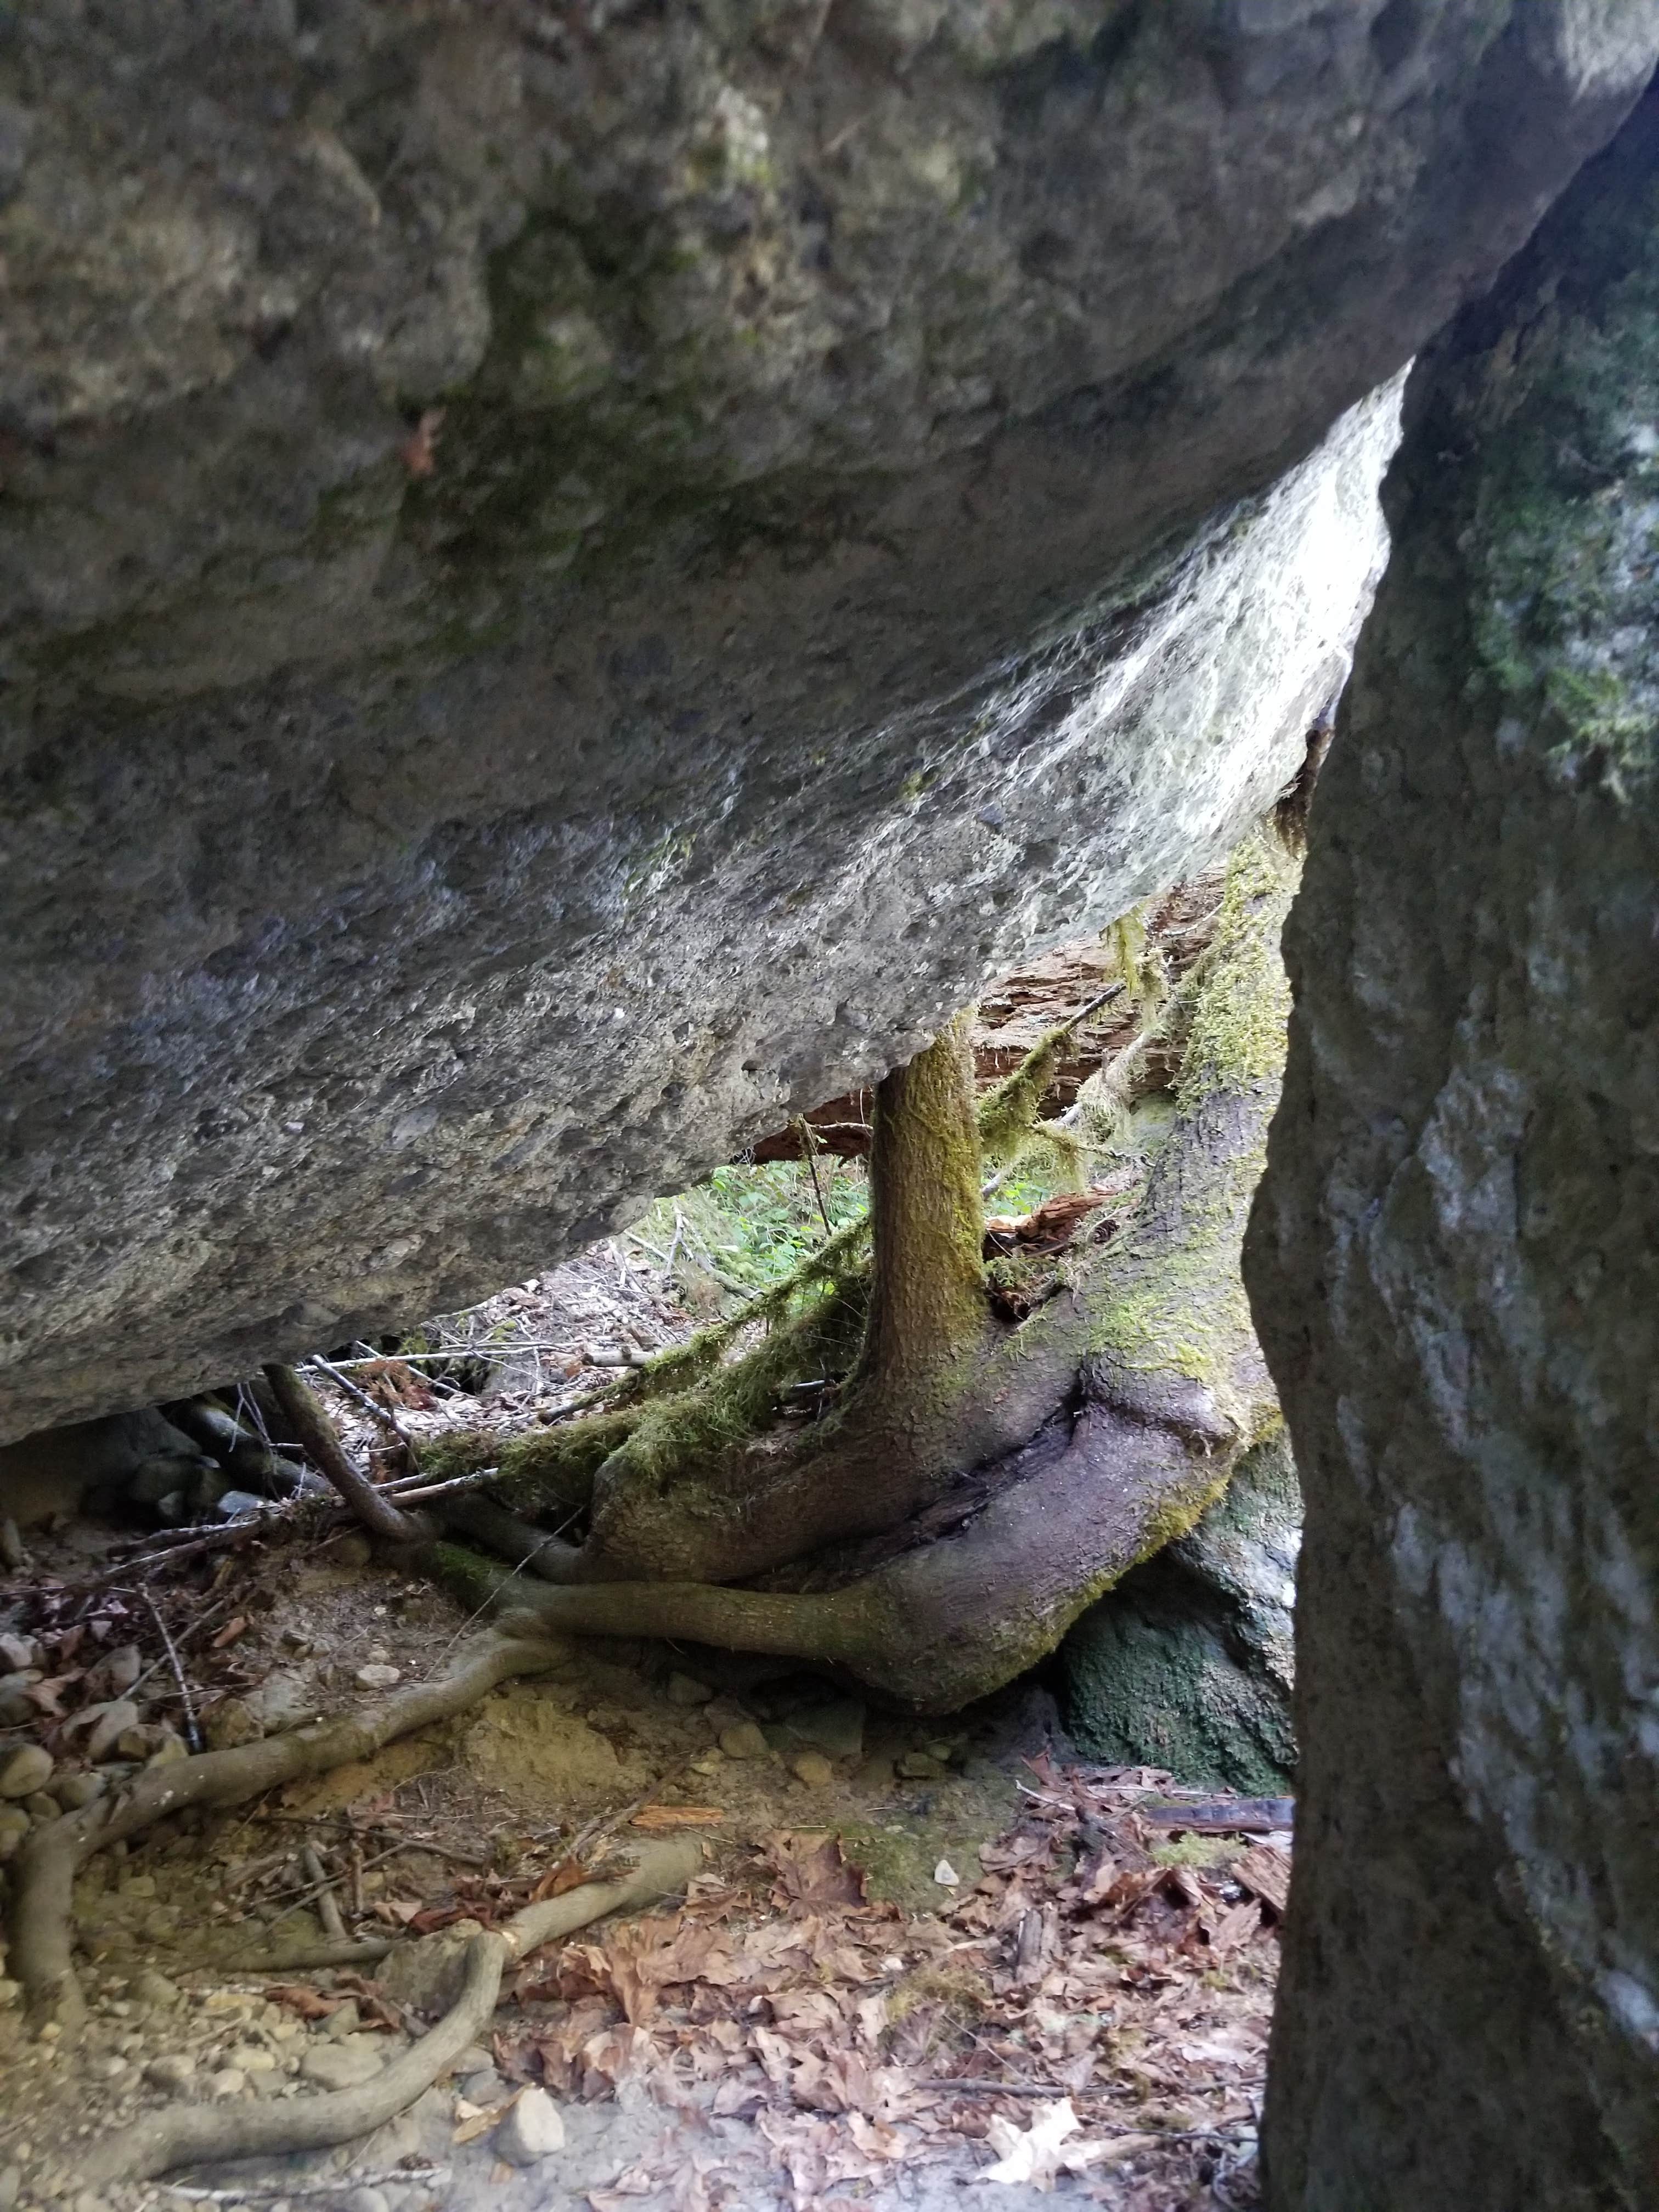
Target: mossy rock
1188 1664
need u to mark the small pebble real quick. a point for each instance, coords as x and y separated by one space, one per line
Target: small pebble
18 1652
117 1720
686 1690
377 1678
11 2181
75 1790
812 1768
743 1741
109 2069
710 1763
173 2070
228 2081
532 2130
28 1768
151 1987
922 1766
332 2067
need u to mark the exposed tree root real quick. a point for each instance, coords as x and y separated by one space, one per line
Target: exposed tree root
43 1892
973 1485
305 1960
182 2135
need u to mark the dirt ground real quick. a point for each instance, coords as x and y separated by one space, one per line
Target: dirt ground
1011 1920
923 1964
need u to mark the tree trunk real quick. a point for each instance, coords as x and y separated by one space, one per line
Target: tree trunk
983 1482
927 1225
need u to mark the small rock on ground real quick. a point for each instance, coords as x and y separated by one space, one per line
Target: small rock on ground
812 1768
378 1678
686 1690
532 2130
28 1768
173 2070
743 1741
331 2066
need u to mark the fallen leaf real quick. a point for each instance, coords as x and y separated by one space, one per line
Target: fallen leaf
479 2119
1031 2157
813 1869
229 1634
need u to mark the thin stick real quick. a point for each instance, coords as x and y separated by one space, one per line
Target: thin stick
259 2192
328 1905
809 1151
411 1490
373 1406
193 1631
322 1447
192 1732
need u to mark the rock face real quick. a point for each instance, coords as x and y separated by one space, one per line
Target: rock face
827 577
1189 1664
1455 1266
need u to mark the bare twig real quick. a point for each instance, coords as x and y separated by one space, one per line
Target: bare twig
315 1432
413 1490
202 1621
254 2192
808 1151
328 1905
193 1732
372 1406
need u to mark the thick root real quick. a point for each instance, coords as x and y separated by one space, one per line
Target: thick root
43 1895
182 2135
972 1593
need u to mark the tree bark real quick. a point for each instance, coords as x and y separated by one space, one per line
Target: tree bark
927 1225
985 1482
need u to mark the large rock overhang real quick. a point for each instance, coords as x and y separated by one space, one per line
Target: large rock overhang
849 554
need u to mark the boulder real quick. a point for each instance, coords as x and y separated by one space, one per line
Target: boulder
570 591
1454 1270
1189 1664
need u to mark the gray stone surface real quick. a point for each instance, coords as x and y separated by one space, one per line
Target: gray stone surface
1454 1266
826 581
1189 1662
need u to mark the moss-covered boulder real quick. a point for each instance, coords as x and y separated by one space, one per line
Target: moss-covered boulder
1189 1664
